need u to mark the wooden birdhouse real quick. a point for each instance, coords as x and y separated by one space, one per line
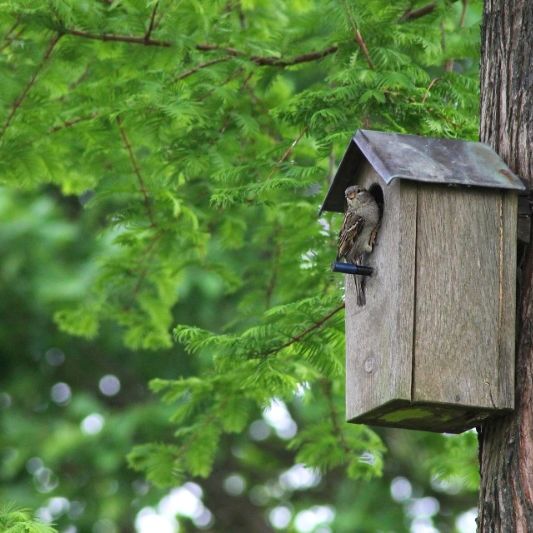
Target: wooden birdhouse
433 348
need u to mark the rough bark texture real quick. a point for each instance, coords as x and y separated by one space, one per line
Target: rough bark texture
506 444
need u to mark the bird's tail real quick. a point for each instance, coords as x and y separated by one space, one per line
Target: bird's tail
360 289
360 282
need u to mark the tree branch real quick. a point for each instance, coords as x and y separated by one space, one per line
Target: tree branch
261 61
358 37
433 82
316 325
151 25
11 35
191 71
206 47
463 14
412 14
288 152
137 171
362 44
303 58
271 61
145 264
72 122
131 39
22 96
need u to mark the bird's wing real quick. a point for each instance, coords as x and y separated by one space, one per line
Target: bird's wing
351 229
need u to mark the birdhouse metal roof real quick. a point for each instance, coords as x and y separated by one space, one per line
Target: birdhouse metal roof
424 159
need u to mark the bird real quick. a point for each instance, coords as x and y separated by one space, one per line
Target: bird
358 231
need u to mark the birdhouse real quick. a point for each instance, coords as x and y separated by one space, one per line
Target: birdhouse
433 347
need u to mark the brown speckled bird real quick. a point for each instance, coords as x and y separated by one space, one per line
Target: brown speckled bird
358 232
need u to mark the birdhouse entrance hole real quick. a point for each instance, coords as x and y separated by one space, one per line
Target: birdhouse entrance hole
377 192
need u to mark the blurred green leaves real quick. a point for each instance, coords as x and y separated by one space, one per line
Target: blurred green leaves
162 168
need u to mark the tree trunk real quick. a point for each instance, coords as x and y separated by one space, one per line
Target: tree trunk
506 444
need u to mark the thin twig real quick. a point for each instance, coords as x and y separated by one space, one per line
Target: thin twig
152 23
9 40
9 37
235 74
272 61
271 285
145 263
449 63
206 47
358 37
131 39
22 96
191 71
362 44
12 28
305 332
72 122
412 14
137 171
463 14
433 82
287 152
303 58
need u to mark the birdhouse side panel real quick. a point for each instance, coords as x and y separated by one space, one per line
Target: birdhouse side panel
379 334
506 359
460 271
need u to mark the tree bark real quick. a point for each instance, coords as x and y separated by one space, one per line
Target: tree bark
506 444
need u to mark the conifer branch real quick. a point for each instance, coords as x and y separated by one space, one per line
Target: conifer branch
206 47
463 14
11 35
22 96
449 63
412 14
288 151
145 264
358 37
193 70
433 82
303 58
272 61
137 171
362 44
316 325
262 61
151 24
113 37
72 122
11 29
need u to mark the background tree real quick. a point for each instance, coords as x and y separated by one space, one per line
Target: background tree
506 445
163 164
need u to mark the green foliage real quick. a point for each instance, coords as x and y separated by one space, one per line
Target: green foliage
189 146
455 463
13 520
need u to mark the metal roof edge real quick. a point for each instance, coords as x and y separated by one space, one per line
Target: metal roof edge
396 155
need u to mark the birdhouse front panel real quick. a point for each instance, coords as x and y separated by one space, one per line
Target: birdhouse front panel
379 338
433 345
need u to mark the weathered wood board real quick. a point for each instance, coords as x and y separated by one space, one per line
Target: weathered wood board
459 296
379 335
